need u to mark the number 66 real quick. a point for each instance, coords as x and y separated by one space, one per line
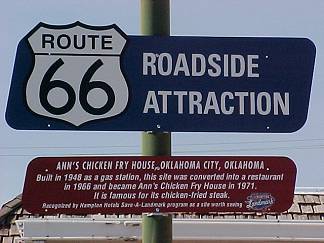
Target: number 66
85 87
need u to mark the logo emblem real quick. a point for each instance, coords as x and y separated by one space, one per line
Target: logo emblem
77 76
259 201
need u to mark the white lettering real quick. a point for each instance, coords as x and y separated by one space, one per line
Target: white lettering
227 103
149 60
151 103
181 65
251 65
165 70
230 110
237 69
230 65
195 101
202 60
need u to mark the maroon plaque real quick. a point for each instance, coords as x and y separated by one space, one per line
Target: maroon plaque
138 184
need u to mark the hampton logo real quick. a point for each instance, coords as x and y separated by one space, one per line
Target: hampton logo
259 201
97 90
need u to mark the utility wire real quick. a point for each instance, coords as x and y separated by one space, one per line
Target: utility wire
175 151
176 145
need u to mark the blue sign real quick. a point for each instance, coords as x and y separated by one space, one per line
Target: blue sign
80 77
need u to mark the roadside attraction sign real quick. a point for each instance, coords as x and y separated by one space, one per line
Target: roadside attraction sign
139 184
81 77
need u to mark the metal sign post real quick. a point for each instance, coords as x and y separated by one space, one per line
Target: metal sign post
155 20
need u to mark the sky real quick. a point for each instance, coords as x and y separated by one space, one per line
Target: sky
222 18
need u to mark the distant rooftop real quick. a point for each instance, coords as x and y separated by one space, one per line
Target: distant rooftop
308 206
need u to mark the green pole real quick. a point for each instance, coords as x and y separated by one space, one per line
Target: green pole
155 17
157 229
155 20
156 143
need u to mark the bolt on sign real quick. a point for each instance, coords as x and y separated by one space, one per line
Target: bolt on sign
138 184
81 77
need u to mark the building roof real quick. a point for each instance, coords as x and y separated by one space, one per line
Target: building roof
306 207
8 210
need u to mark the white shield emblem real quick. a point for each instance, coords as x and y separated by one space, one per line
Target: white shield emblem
77 76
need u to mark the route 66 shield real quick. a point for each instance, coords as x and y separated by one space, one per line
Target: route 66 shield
76 76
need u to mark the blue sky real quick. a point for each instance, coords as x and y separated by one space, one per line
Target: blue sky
289 18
